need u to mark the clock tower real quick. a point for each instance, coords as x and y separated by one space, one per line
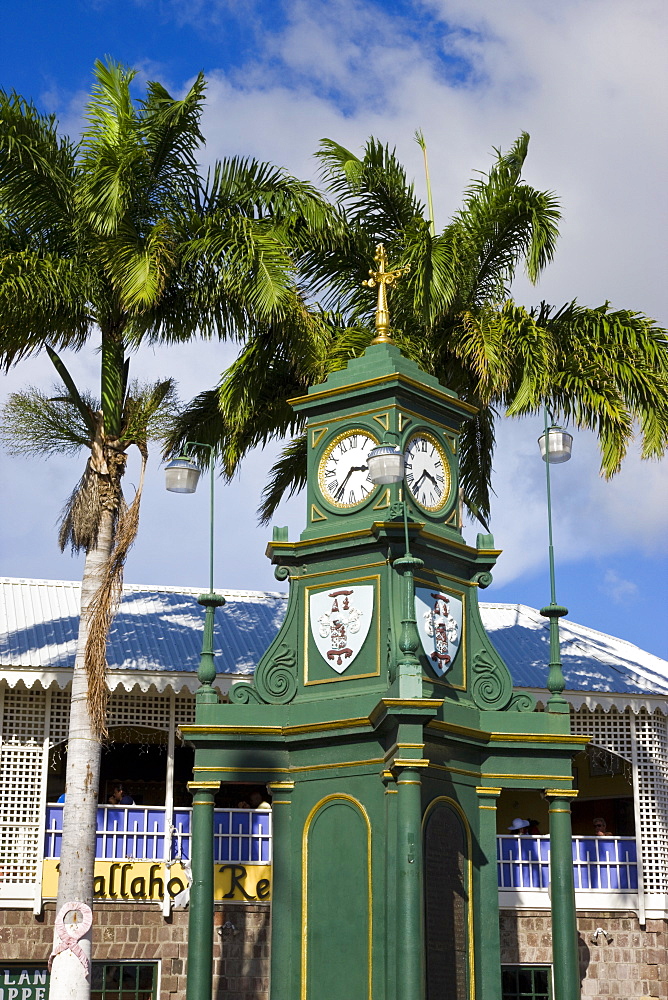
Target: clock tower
381 717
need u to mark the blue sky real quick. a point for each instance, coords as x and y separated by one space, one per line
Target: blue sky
587 79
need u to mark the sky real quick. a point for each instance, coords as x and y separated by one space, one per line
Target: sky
586 79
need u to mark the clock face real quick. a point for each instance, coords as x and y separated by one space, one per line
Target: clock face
343 473
427 472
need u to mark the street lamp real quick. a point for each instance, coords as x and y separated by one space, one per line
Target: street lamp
181 476
386 466
555 448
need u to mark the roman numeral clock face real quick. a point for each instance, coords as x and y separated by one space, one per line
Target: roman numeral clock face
343 473
427 472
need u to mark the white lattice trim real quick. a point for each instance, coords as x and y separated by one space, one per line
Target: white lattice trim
118 680
642 738
606 702
20 819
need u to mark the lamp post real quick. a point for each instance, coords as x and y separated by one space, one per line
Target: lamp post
386 465
181 476
555 447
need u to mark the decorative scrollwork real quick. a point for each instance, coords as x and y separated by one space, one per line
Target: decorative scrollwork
522 701
281 572
243 693
276 679
492 686
483 579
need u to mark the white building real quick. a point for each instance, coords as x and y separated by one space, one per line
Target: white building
618 695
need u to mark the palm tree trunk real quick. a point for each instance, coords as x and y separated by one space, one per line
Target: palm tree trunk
77 857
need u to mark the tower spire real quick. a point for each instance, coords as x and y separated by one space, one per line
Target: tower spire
383 278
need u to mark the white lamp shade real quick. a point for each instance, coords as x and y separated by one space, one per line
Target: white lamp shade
386 464
181 476
560 445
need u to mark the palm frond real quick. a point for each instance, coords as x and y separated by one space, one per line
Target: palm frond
34 423
202 421
42 298
171 132
80 516
375 191
260 190
112 153
611 372
503 222
37 176
84 409
148 412
287 476
475 459
138 267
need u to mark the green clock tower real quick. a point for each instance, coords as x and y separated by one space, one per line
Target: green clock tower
382 718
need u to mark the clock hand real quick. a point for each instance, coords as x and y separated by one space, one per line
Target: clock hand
354 468
425 473
416 485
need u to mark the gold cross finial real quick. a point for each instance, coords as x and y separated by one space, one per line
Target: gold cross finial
383 278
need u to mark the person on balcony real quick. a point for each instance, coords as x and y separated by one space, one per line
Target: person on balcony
118 796
258 801
600 827
520 826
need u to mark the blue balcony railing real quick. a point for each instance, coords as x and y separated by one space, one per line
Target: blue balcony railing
139 832
607 864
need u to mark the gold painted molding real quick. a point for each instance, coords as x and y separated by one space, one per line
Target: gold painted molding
410 762
537 738
203 786
281 786
369 383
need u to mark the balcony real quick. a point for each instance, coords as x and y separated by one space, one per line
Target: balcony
605 871
144 833
600 864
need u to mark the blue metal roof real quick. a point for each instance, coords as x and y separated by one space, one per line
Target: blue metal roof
155 629
592 661
159 629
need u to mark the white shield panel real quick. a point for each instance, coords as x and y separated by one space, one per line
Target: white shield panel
439 621
340 620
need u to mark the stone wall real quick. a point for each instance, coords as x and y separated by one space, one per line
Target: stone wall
631 962
137 932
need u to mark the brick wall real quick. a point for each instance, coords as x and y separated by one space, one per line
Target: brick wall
138 932
632 964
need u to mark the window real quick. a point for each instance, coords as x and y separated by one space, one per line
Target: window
109 980
526 982
124 981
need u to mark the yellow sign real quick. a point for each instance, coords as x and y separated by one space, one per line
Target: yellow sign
147 881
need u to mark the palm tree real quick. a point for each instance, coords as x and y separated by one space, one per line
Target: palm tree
117 237
599 368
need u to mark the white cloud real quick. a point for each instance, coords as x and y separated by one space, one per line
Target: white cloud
617 588
587 80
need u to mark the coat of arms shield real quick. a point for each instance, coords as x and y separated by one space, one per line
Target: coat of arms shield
439 621
340 620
